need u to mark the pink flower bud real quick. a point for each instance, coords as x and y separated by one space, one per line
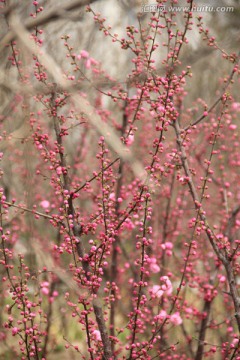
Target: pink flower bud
84 54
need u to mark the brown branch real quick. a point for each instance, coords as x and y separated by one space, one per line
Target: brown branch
49 321
76 231
114 260
222 256
53 14
217 101
211 236
80 251
98 311
231 221
57 73
203 329
111 137
95 176
29 210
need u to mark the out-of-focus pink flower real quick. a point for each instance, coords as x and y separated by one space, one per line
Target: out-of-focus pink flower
167 246
97 335
232 127
45 287
167 285
154 268
130 140
88 64
45 291
93 61
235 341
156 291
112 196
84 54
2 336
176 319
45 204
14 331
160 108
59 170
153 265
162 315
236 106
222 279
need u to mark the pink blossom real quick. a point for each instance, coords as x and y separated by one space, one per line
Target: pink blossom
2 336
128 225
154 268
235 341
112 196
236 106
96 334
167 285
45 204
162 315
88 64
176 318
153 265
160 108
93 61
130 140
156 291
167 245
59 170
45 291
84 54
14 331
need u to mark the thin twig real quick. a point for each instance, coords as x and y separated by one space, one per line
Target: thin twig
53 14
217 101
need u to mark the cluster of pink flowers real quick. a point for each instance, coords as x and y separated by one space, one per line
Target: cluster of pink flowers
164 288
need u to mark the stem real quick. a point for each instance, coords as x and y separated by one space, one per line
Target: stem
51 15
139 295
80 251
217 101
203 329
49 315
222 256
116 242
210 234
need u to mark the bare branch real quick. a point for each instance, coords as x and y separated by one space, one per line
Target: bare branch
210 234
53 14
217 101
79 101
